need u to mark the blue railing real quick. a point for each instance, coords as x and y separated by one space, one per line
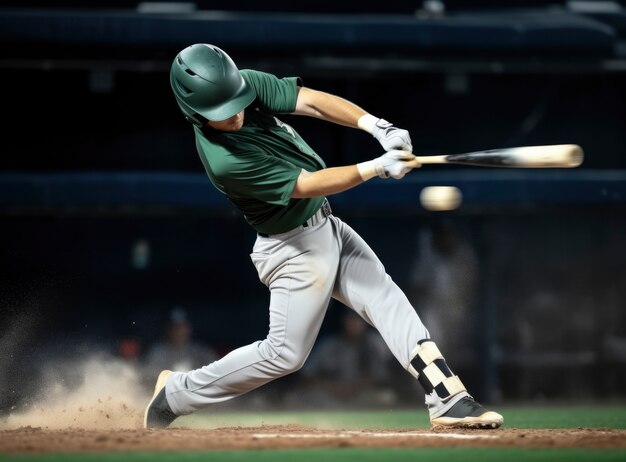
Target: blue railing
148 190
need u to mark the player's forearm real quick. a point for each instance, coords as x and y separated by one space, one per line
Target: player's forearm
328 107
392 164
326 182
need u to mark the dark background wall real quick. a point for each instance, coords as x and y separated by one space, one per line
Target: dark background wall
86 92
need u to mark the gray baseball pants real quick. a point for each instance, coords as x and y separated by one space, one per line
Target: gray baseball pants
303 269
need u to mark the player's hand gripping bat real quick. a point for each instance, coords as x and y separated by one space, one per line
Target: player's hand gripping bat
550 156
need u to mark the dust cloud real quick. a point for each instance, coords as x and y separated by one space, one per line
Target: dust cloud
104 394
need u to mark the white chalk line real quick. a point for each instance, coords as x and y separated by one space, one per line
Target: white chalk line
361 434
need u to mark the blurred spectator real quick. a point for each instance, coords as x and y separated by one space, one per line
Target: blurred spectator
350 367
129 349
443 286
178 351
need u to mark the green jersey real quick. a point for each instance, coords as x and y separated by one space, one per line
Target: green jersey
257 167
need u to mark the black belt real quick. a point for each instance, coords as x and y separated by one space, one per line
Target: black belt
321 213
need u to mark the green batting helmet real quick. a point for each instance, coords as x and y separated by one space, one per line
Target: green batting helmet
207 82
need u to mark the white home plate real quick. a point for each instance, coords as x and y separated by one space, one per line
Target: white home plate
354 433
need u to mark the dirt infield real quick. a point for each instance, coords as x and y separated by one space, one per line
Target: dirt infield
38 440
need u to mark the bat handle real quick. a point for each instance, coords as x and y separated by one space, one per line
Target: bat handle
421 160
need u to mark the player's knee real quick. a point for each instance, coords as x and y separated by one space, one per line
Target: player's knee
285 359
292 362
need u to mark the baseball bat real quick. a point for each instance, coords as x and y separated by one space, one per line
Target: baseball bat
550 156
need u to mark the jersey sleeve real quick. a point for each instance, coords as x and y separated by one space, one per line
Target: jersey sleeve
274 95
266 178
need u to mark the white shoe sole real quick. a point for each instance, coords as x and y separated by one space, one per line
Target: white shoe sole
488 420
160 383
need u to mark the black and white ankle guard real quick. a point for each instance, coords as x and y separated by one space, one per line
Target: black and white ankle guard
429 367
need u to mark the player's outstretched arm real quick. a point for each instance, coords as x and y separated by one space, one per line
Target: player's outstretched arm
392 164
326 182
322 105
331 108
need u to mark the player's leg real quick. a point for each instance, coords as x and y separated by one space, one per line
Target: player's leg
363 284
300 282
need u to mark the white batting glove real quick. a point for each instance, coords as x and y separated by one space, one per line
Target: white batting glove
388 136
392 164
391 137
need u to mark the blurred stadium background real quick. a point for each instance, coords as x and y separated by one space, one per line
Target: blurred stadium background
108 220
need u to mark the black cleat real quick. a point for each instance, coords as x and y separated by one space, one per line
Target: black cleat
158 413
467 413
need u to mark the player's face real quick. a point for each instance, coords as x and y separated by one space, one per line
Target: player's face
232 124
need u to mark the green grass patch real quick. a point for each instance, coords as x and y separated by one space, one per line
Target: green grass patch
566 417
514 417
318 419
342 455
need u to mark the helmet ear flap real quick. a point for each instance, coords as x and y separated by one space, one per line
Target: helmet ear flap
197 120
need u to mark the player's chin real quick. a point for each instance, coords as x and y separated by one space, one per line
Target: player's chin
234 127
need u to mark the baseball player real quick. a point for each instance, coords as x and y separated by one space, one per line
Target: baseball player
303 253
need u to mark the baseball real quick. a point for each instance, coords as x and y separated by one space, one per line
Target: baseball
441 198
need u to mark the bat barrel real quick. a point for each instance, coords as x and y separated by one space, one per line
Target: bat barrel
549 156
575 156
